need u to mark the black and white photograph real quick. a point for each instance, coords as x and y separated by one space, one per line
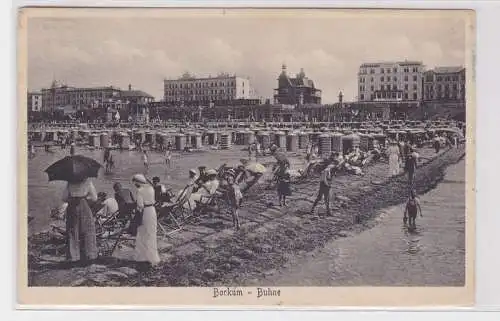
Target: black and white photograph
246 151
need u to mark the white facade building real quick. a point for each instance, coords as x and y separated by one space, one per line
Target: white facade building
192 90
390 81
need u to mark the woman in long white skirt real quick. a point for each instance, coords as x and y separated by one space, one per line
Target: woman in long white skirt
146 246
393 159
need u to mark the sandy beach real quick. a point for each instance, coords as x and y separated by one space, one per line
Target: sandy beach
209 252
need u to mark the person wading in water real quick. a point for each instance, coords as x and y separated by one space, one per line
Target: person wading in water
411 210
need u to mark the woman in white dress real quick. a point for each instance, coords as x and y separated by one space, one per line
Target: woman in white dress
393 158
146 247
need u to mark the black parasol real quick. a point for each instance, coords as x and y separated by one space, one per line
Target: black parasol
74 168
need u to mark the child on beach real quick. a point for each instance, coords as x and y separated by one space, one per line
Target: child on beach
145 160
411 210
168 156
234 197
284 189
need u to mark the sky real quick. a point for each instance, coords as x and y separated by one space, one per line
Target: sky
103 51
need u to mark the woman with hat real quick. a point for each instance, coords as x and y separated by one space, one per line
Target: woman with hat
146 247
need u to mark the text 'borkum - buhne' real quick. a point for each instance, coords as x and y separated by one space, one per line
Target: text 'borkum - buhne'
227 292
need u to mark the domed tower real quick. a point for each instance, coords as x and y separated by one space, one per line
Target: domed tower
283 69
301 74
341 96
280 93
283 79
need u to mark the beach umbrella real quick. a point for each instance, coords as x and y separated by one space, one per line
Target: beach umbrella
256 168
74 168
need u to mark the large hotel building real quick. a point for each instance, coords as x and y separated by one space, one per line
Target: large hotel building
445 84
390 81
190 90
77 98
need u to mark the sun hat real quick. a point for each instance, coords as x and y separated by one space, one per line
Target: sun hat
211 172
192 171
139 178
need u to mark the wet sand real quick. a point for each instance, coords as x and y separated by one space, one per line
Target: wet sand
391 254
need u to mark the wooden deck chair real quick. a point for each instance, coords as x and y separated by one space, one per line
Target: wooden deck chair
110 232
167 219
207 202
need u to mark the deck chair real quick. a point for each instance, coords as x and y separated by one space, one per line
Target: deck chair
209 202
168 223
110 232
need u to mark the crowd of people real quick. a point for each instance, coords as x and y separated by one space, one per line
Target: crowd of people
82 205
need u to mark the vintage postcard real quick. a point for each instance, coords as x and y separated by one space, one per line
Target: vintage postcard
246 157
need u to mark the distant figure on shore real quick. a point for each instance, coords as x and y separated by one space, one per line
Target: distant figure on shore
31 150
402 155
411 210
235 198
308 153
325 184
168 156
393 152
411 166
437 143
283 187
258 151
145 160
62 141
72 149
110 164
106 155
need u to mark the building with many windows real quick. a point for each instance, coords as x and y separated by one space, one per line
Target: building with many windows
444 84
34 101
189 90
298 90
61 95
390 81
